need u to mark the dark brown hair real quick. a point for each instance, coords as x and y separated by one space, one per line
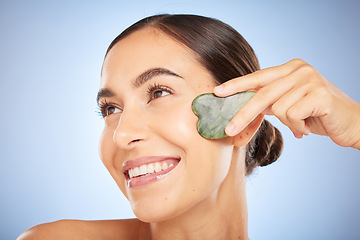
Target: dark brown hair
226 55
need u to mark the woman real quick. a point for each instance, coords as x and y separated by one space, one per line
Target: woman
180 185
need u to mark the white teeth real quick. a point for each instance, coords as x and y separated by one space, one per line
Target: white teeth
136 171
131 173
157 167
164 166
143 170
148 169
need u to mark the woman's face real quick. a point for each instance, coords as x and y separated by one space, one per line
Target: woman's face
150 144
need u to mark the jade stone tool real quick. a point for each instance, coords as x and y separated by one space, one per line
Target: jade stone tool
216 112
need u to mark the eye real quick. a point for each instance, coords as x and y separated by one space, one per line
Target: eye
111 110
107 109
157 91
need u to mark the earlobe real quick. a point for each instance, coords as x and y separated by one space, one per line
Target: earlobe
248 132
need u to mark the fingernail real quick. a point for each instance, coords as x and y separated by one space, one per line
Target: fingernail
307 132
219 88
230 129
298 135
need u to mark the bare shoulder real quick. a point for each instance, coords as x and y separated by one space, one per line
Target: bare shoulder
100 229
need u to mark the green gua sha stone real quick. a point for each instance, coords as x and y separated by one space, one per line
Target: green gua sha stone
216 112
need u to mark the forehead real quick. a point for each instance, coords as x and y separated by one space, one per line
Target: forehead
145 49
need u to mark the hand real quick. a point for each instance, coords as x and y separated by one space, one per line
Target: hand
300 98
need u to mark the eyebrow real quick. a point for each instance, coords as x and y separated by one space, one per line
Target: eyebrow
153 72
104 92
139 81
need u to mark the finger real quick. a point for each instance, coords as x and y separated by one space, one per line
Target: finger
281 107
257 79
264 98
309 106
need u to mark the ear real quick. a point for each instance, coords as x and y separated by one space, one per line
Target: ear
248 132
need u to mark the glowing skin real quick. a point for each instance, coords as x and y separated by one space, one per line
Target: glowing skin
165 126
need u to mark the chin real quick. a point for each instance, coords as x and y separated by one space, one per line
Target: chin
161 205
154 214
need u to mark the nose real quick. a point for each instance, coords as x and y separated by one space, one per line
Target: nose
130 131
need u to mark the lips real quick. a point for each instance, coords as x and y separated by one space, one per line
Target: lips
148 169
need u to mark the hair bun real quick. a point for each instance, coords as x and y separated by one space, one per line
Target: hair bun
264 148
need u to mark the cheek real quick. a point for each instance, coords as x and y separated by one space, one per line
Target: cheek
108 153
105 148
213 157
177 124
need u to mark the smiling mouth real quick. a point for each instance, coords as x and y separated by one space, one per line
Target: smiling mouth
148 169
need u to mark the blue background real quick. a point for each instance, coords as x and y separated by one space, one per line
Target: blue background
51 54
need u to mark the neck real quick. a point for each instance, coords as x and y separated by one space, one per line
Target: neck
221 216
